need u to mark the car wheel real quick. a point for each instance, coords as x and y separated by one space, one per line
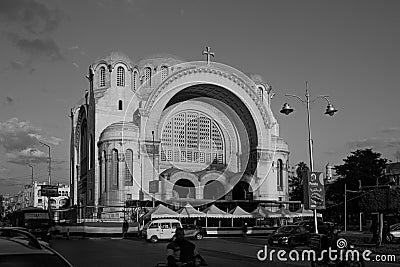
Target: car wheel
153 239
291 242
199 236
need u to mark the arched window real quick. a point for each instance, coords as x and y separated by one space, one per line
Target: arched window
102 77
120 105
120 76
147 75
279 174
128 167
114 168
135 75
260 92
192 137
164 72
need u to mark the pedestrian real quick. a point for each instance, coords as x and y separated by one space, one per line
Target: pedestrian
125 227
386 232
374 231
244 230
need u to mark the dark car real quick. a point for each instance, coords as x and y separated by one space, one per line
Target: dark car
194 231
21 248
323 227
289 235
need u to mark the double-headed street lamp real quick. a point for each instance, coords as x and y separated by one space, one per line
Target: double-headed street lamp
330 110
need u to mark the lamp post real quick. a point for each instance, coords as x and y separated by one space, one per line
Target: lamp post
48 198
49 160
154 151
31 173
33 188
330 110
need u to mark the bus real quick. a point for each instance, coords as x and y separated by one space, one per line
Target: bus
38 221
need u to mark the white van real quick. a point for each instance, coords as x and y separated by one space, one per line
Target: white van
160 229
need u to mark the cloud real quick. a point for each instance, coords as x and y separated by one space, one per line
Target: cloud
391 130
36 48
20 139
376 143
5 101
33 16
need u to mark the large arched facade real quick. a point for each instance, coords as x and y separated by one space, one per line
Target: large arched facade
200 130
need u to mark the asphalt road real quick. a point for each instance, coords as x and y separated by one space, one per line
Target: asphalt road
219 252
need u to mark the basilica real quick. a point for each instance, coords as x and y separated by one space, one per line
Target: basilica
175 131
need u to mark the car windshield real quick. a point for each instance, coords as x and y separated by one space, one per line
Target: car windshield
32 260
286 229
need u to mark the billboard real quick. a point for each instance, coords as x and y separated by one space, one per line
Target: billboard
49 190
153 186
314 191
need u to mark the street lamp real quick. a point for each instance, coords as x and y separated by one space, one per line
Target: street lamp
49 160
33 188
31 173
330 110
48 198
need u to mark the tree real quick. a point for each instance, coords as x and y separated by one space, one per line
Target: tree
296 182
362 165
366 168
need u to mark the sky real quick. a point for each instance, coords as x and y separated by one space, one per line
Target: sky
348 50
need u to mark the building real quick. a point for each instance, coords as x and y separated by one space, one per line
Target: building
393 173
175 131
31 196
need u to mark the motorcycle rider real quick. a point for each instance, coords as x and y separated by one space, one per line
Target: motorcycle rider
182 252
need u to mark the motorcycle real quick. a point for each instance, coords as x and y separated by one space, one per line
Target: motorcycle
319 243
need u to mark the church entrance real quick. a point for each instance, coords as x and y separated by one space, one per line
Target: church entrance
242 191
184 188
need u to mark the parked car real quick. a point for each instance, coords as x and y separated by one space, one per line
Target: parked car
322 226
194 231
289 235
20 248
160 229
394 232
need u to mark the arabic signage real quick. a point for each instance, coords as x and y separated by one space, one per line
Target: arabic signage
49 190
314 191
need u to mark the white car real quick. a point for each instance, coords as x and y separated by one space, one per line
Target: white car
394 231
160 229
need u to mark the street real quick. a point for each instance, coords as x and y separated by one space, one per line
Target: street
232 252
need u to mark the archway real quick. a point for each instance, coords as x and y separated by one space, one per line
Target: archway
213 190
184 188
242 191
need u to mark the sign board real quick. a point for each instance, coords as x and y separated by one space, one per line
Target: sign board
153 186
314 191
49 190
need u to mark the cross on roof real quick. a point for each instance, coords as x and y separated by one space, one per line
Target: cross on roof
208 53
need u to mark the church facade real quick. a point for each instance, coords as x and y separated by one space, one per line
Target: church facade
165 129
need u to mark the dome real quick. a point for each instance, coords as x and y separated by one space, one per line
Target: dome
124 130
116 57
160 59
